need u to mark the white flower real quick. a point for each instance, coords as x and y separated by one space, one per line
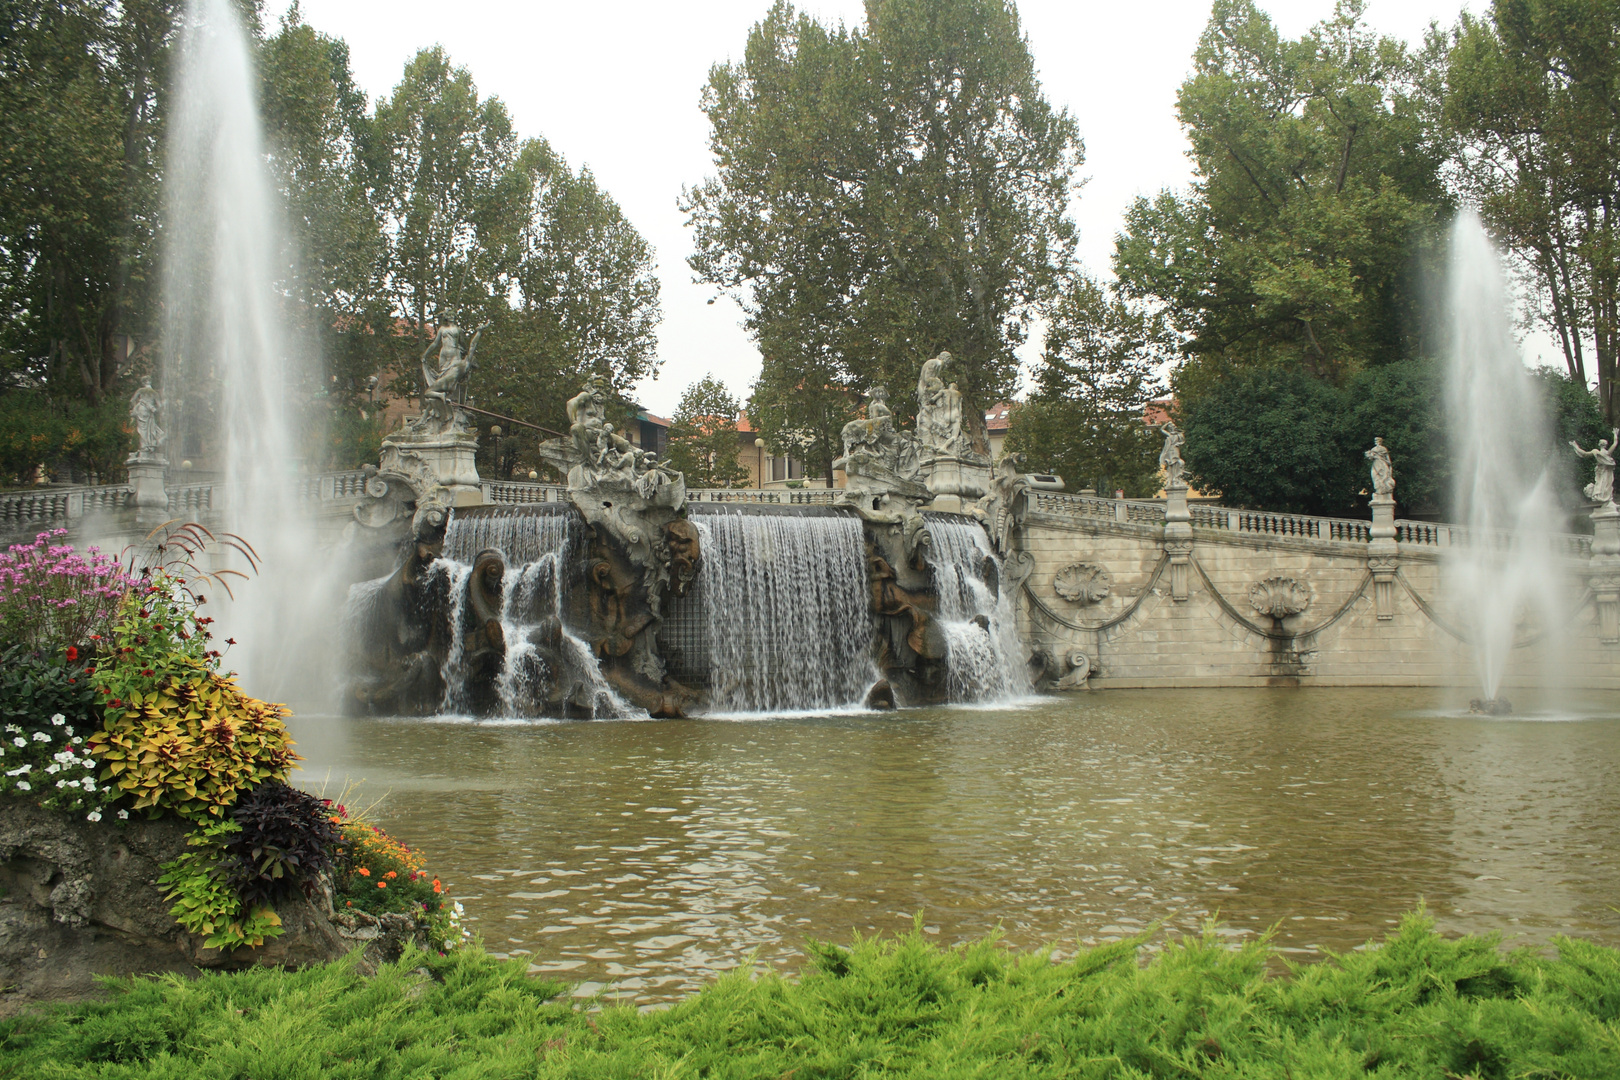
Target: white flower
13 728
61 783
94 815
23 785
53 769
21 770
76 742
40 736
123 815
68 729
88 784
58 719
19 741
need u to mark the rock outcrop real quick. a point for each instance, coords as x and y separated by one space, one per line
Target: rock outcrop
80 899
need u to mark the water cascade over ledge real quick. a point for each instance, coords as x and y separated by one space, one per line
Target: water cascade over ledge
780 618
980 625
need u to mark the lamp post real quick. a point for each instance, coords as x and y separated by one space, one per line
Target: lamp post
759 469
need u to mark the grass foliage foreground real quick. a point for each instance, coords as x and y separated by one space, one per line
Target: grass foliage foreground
1417 1006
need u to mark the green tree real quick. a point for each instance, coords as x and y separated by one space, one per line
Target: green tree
1530 94
585 299
1099 369
703 436
80 121
800 407
1316 198
482 226
441 169
881 194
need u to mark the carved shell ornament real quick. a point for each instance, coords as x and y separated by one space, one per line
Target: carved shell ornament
1279 597
1082 583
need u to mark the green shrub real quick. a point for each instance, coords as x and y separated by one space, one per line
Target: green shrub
1418 1006
35 686
205 901
192 745
377 874
285 839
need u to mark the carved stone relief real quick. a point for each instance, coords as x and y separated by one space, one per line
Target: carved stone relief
1279 597
1083 583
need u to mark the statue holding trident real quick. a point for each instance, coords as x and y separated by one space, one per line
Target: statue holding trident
1601 489
1383 471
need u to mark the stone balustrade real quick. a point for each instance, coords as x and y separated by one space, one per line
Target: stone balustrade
516 492
59 505
766 496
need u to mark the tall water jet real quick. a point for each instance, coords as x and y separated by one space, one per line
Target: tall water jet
229 371
1503 573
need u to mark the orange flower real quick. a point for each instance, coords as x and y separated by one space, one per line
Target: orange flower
363 872
391 874
382 884
436 886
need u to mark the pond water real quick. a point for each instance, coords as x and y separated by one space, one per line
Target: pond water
645 857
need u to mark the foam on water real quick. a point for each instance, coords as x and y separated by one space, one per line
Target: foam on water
980 624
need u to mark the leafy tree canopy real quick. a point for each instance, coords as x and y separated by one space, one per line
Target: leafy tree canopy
1317 193
1529 96
882 193
1084 420
703 436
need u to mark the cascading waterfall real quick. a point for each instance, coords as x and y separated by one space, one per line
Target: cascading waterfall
788 623
1499 437
230 368
539 548
980 624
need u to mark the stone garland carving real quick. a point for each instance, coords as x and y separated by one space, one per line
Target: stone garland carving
1279 597
1083 583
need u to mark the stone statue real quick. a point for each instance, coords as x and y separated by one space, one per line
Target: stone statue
445 385
1170 457
1383 472
939 412
145 411
1601 489
879 460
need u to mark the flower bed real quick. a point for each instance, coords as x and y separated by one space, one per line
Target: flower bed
113 703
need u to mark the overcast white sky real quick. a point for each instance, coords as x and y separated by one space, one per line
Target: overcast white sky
615 85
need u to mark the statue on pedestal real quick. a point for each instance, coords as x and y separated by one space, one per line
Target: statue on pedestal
878 459
445 386
145 413
1170 457
1601 489
1383 471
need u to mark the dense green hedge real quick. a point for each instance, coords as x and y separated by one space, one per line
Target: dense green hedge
1416 1006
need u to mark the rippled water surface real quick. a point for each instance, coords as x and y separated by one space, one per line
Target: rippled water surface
647 856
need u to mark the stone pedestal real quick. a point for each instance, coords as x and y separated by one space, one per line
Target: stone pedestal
1178 540
955 480
1383 555
151 499
449 459
1606 571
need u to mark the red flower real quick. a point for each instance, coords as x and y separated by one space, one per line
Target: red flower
72 652
230 641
